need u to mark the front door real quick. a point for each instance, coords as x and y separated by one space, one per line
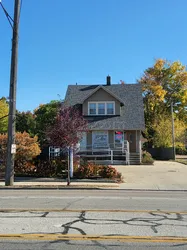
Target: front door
131 138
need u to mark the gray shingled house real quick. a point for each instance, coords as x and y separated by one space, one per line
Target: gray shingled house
115 116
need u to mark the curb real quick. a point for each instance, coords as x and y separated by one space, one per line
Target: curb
58 187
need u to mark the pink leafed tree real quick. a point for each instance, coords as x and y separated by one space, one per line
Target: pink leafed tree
68 128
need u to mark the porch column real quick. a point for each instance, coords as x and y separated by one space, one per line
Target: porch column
138 133
137 147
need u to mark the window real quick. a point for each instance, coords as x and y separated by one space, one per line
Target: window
110 108
101 108
92 108
100 139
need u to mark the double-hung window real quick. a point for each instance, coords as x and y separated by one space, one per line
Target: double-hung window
92 108
110 108
101 108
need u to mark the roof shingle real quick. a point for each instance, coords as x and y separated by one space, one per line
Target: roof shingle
132 113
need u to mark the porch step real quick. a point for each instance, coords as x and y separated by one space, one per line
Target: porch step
115 162
134 158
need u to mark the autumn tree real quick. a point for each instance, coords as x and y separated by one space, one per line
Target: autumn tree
67 129
163 83
27 147
3 115
45 116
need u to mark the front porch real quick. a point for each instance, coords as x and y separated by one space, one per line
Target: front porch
111 147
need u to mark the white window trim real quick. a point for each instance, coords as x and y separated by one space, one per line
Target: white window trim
97 107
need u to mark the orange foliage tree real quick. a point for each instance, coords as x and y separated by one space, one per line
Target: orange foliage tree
27 148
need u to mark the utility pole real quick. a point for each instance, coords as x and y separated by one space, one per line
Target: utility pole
11 150
173 131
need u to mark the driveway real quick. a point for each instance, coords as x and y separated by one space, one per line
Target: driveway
163 175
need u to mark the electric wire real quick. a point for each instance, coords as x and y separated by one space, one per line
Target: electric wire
7 15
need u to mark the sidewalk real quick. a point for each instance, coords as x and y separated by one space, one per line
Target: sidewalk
28 182
163 175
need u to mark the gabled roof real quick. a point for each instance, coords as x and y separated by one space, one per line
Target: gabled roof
105 89
132 113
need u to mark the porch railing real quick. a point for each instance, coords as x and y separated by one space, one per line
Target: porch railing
140 151
109 152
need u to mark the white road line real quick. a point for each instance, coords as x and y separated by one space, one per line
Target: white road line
91 197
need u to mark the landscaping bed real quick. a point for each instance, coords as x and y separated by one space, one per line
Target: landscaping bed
58 168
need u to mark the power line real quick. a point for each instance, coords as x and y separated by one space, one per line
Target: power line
9 18
3 117
7 15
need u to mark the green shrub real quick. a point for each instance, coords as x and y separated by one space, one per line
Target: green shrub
52 168
147 158
180 149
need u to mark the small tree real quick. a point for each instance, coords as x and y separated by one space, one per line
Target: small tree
67 129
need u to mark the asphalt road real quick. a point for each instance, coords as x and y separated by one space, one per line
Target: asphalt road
93 199
91 245
92 219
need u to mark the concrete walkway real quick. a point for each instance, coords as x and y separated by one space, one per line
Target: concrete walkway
163 175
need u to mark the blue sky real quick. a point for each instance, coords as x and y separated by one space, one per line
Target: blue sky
82 41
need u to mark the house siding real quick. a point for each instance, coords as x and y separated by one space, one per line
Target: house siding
89 139
111 138
101 96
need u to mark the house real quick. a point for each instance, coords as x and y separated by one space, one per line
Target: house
115 116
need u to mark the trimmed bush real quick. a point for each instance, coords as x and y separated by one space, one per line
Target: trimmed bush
147 158
91 170
108 172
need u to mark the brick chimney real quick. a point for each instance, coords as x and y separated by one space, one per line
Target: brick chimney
108 80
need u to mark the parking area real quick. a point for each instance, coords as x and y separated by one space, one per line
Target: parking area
163 175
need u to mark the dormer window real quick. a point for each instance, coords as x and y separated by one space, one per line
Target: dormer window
92 109
101 108
110 108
